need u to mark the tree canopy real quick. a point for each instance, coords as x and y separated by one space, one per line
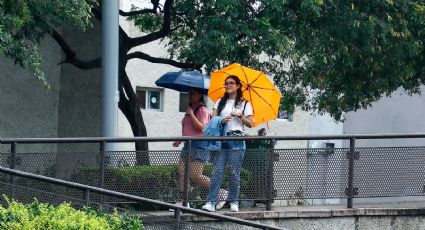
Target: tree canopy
326 55
345 55
24 23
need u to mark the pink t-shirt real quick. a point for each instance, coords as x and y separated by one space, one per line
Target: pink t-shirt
203 116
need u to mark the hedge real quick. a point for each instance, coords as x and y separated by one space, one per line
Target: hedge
156 182
38 215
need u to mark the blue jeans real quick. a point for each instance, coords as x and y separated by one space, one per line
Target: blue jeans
231 155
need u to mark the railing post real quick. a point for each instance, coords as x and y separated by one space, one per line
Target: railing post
102 167
87 197
177 216
351 173
12 165
186 173
270 181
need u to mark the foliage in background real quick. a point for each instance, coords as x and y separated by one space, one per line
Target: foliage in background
38 215
345 55
24 23
326 55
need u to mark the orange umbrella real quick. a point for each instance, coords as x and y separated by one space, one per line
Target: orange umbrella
257 88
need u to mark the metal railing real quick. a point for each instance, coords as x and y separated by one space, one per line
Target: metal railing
88 190
284 173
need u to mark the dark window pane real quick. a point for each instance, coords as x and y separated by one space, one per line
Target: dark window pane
141 98
284 114
154 100
184 102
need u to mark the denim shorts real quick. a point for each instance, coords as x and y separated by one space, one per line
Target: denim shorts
198 154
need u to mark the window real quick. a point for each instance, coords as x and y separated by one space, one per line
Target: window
150 99
284 114
184 102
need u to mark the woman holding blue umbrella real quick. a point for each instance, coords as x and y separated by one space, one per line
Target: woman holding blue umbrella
196 117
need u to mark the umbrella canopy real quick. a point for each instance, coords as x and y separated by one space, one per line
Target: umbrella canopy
184 81
257 88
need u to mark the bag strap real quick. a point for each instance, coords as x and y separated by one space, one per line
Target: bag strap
197 108
243 111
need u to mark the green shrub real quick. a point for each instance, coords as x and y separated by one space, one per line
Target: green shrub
159 182
38 215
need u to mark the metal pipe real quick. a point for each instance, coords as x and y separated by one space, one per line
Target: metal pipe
351 173
110 48
270 181
87 196
186 174
12 166
170 139
102 167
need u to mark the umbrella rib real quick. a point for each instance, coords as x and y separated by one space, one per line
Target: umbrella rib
264 101
216 90
257 87
246 77
223 72
256 78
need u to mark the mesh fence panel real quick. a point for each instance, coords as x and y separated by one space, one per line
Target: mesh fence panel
381 172
280 173
310 173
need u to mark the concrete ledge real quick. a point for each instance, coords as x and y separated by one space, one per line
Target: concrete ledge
312 213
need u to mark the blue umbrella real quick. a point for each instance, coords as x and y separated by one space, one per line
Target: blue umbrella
184 81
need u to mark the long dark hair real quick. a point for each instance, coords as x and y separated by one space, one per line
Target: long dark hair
202 101
224 99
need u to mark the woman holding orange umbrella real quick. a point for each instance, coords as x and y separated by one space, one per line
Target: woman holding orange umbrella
236 112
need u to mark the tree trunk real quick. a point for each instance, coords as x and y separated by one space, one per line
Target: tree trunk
130 107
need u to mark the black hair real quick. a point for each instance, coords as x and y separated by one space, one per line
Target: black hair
202 101
225 97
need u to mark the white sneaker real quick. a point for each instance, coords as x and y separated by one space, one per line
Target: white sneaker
222 197
179 204
234 207
209 207
220 205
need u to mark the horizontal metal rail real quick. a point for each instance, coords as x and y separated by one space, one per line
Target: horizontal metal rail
169 139
133 198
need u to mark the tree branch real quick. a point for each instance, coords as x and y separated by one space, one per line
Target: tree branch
143 56
137 12
155 4
71 56
97 13
164 31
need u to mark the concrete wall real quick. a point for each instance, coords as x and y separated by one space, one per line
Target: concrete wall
27 108
80 102
399 113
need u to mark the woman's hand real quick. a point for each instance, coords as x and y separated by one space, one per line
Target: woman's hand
189 111
177 143
236 114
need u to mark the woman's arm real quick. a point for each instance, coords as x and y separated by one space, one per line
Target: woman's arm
196 123
247 121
